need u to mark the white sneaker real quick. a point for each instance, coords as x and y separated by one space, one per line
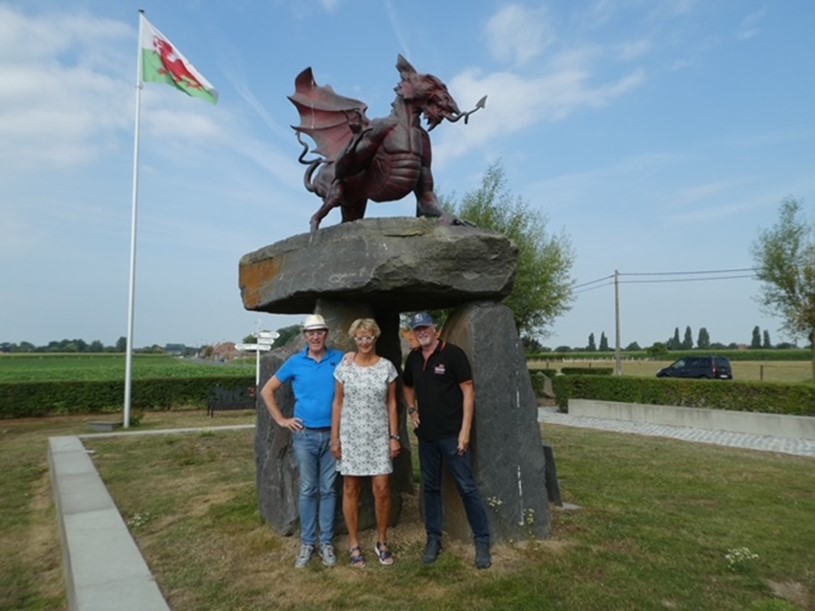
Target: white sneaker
306 552
328 555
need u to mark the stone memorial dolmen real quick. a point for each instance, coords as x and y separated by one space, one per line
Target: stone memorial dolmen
379 268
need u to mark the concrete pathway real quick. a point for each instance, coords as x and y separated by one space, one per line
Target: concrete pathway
764 443
104 569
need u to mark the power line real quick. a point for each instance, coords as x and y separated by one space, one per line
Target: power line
578 286
599 286
686 273
686 279
715 271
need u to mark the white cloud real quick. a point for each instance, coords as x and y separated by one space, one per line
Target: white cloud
749 26
516 102
62 88
634 49
518 34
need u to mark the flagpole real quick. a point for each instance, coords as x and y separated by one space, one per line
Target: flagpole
134 217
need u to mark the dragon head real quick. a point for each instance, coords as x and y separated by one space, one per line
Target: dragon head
426 92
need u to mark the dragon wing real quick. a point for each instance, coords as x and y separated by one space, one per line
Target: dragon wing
326 116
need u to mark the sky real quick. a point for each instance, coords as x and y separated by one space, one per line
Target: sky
657 136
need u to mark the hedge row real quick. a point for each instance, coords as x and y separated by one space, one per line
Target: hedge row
753 354
26 399
732 395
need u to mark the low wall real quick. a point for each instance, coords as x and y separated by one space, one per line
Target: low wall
753 423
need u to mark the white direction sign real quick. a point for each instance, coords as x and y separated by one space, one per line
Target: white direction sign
253 347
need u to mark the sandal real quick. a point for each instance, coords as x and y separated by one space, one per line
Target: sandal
357 558
384 554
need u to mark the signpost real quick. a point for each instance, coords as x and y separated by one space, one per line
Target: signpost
265 341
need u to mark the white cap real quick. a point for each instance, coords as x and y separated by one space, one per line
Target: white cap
313 322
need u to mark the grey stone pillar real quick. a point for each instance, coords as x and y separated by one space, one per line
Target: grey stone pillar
507 451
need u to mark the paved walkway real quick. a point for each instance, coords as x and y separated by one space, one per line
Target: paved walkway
103 567
764 443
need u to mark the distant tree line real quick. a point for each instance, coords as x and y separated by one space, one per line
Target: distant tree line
760 340
80 346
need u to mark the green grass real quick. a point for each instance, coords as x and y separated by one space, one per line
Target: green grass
92 367
658 518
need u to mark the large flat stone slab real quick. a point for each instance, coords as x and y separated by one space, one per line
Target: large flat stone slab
398 264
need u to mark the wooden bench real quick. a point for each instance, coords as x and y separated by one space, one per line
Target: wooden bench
223 399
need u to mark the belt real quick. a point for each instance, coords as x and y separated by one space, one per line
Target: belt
318 429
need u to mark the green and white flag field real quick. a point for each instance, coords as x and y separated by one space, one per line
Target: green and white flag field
163 63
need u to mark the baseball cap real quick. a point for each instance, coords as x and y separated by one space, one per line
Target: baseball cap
421 319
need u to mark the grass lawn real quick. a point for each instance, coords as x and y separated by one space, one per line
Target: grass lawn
658 519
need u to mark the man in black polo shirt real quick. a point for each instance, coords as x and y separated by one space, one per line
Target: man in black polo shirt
438 385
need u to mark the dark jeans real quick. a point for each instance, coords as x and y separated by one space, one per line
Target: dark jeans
434 454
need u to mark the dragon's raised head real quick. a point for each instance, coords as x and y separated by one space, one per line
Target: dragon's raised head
428 93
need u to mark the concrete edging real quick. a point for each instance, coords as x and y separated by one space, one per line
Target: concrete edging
103 567
753 423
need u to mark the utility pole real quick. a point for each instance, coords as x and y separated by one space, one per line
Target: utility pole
618 365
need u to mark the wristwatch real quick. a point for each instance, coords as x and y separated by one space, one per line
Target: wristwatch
411 411
396 437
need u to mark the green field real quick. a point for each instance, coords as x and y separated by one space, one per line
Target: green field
791 372
100 367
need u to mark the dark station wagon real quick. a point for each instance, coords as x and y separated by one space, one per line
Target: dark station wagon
706 367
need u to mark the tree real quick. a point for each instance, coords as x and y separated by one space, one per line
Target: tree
658 351
592 347
674 343
632 347
96 346
784 256
687 342
756 341
703 342
603 342
543 288
121 344
766 343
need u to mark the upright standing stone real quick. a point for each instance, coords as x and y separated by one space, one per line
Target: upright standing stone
509 459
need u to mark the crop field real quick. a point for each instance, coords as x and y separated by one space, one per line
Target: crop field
99 367
789 372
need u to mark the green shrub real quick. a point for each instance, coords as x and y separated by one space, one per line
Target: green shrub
25 399
732 395
588 371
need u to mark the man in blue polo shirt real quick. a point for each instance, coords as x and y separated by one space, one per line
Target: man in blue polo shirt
311 373
438 387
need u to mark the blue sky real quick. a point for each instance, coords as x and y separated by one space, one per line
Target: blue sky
658 136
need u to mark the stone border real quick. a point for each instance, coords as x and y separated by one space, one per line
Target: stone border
103 567
752 423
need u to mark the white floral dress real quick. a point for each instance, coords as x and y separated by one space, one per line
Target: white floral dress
364 426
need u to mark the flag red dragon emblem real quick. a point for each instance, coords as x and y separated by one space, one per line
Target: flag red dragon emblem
174 66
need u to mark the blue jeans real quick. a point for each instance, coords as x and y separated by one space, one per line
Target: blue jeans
318 472
434 454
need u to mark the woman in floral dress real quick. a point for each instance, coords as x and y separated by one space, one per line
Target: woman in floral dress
365 434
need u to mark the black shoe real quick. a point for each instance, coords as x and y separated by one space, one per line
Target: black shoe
431 551
483 560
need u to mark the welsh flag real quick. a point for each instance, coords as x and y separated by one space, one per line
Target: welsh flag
163 63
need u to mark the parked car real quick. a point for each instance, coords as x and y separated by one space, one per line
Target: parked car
709 367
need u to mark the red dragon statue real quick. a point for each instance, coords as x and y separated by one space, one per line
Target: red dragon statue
379 159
